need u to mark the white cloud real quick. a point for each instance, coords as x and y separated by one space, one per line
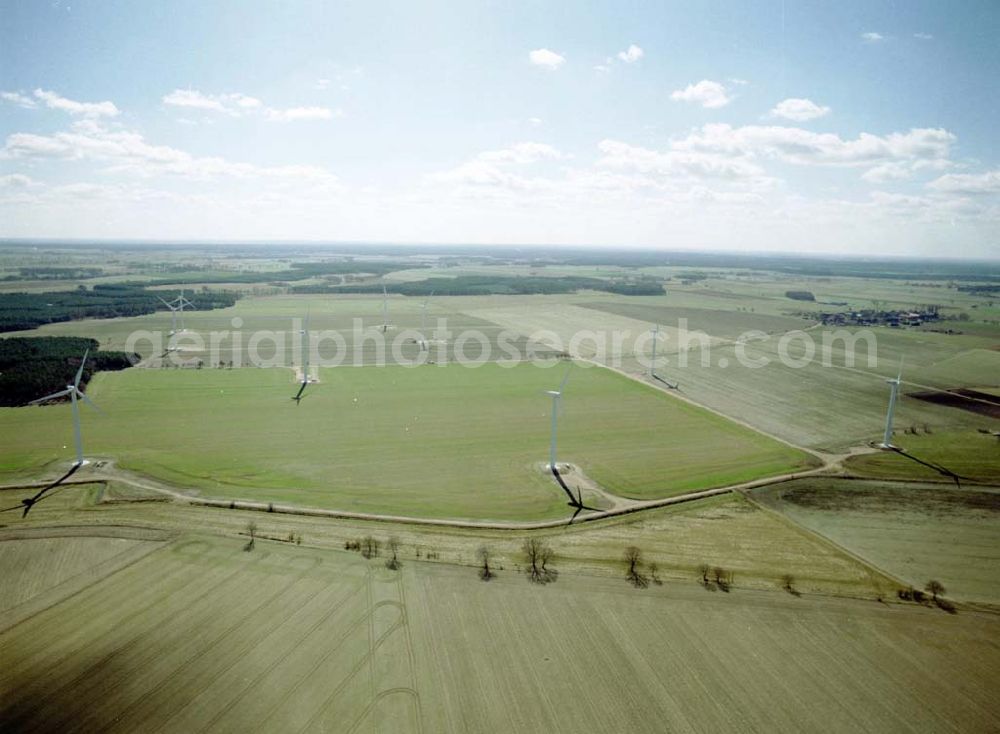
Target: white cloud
295 114
968 183
706 93
521 153
491 169
545 58
246 102
888 172
804 147
799 110
872 37
535 121
617 154
322 84
923 36
86 109
237 105
231 104
128 152
630 55
19 99
905 169
16 181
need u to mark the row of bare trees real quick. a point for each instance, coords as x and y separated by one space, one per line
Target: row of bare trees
252 532
715 577
368 547
935 589
634 573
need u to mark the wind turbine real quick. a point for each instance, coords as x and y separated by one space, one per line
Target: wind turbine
652 362
305 360
385 310
424 342
177 306
574 501
74 393
894 384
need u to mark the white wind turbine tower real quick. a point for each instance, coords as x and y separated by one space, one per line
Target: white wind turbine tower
424 341
652 362
305 359
385 310
894 384
74 392
555 395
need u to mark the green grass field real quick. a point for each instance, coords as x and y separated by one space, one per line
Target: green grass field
433 441
916 532
936 456
200 635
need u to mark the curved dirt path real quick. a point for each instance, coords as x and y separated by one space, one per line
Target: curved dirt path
624 505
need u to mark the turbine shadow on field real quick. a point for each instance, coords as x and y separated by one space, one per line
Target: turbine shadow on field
942 470
574 501
50 703
672 386
30 502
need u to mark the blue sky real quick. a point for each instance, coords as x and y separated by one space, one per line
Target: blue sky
797 126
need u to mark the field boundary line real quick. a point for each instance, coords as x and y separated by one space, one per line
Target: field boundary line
824 540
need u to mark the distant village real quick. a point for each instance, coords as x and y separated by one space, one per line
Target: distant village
880 317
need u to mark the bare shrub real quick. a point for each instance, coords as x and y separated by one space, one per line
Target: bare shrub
722 578
538 556
393 562
369 547
653 573
252 532
483 554
788 584
633 559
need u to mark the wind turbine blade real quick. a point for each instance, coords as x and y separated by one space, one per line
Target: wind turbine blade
79 372
900 375
53 396
302 389
166 303
88 401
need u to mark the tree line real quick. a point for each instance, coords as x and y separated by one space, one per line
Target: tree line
497 285
20 311
33 367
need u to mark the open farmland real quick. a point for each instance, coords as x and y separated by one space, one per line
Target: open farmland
201 635
396 440
916 532
838 404
345 331
726 531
